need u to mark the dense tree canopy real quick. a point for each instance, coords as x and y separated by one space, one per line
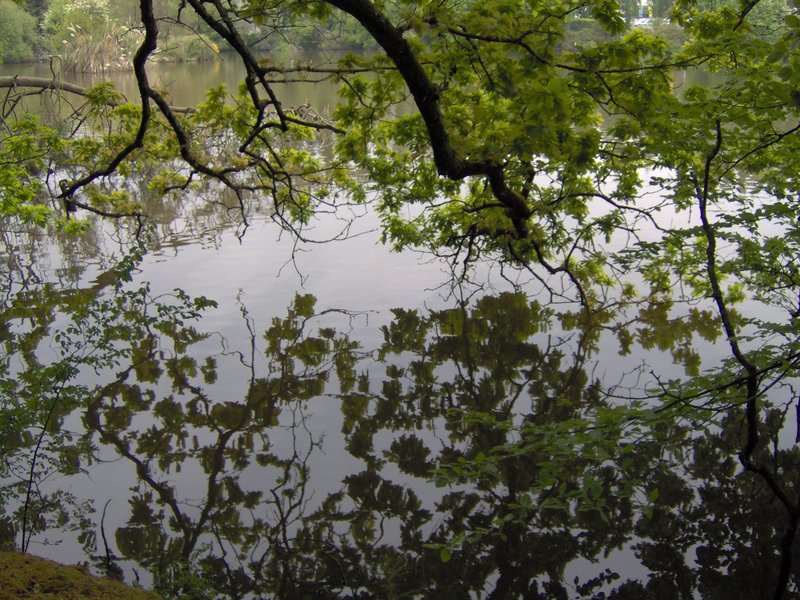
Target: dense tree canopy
551 137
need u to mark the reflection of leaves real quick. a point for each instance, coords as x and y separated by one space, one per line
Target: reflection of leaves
191 429
100 333
261 399
229 415
180 370
659 329
147 368
354 408
496 402
411 455
139 543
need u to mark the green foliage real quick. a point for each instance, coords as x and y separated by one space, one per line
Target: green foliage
549 137
81 14
37 8
18 37
26 150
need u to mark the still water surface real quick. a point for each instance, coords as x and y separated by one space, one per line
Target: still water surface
346 423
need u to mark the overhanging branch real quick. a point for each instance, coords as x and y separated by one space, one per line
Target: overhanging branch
45 84
426 97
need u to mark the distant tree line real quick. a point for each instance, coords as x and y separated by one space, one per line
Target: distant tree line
99 35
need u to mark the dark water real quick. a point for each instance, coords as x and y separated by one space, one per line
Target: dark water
346 423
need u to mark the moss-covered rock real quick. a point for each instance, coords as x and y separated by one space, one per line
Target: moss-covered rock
26 577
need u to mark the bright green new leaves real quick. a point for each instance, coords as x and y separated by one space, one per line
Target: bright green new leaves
520 137
25 153
510 92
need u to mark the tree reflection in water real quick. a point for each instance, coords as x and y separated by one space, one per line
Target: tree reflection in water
487 458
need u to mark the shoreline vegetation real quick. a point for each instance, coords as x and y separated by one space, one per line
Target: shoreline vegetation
28 577
99 36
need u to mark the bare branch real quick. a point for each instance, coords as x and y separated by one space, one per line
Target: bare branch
43 84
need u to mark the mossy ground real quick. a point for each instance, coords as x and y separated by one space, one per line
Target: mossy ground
26 577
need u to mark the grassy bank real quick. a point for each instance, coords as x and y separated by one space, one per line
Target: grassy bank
26 577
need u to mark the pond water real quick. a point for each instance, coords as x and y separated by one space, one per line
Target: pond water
346 422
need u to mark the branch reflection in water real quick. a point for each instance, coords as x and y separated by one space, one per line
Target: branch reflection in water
476 450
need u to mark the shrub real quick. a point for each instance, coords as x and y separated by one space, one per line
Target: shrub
18 37
85 36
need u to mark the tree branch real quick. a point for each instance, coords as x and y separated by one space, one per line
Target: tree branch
44 84
148 46
426 97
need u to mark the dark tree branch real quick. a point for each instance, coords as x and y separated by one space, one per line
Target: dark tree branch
224 26
148 46
426 97
751 379
749 5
